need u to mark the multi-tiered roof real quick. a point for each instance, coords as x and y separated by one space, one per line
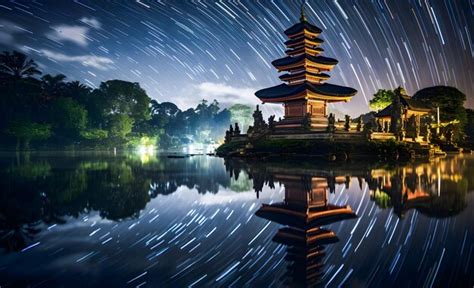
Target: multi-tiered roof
305 69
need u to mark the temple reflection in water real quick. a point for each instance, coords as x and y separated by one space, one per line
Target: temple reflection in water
304 210
434 189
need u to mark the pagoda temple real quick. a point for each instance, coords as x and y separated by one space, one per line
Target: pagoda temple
305 95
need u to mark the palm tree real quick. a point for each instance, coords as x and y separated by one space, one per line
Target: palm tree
18 65
78 91
53 86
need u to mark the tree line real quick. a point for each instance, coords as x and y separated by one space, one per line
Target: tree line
47 111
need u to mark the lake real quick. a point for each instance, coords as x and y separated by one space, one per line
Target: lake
130 220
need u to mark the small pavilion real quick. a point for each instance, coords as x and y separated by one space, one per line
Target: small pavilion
410 110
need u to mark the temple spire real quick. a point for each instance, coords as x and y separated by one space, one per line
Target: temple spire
302 16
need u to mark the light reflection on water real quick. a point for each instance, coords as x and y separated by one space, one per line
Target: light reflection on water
100 219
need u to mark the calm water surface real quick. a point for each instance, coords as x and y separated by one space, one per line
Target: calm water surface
104 220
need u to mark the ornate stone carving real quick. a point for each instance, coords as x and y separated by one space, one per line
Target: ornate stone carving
360 124
331 123
259 125
347 123
271 123
237 129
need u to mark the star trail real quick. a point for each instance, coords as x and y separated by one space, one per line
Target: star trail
202 229
184 51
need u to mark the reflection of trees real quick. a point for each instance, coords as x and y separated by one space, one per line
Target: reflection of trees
40 192
201 173
21 204
47 190
118 192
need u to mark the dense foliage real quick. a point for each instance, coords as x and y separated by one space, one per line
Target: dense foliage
449 100
451 105
51 112
382 98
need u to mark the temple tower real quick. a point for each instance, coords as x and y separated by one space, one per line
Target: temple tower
305 93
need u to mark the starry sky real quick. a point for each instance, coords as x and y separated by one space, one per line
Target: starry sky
184 51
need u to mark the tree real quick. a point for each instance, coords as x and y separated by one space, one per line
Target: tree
69 118
381 99
79 92
165 108
449 100
18 65
451 105
122 97
19 91
94 134
26 131
53 86
120 125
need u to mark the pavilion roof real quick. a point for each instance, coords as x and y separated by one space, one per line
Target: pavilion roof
303 73
407 102
298 27
284 90
293 60
414 104
305 218
302 50
299 39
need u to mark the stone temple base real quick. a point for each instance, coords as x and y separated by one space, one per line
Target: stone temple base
316 123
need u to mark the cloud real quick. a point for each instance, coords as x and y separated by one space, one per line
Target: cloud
102 63
66 33
8 30
227 95
92 22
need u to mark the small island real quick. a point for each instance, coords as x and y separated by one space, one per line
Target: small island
404 129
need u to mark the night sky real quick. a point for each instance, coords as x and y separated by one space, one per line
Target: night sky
183 51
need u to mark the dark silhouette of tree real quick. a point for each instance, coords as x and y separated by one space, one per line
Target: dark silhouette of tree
449 99
18 65
53 86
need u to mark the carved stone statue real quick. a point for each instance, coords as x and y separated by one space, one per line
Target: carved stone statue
347 123
306 125
397 113
331 123
231 130
360 124
271 123
259 125
228 137
237 129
